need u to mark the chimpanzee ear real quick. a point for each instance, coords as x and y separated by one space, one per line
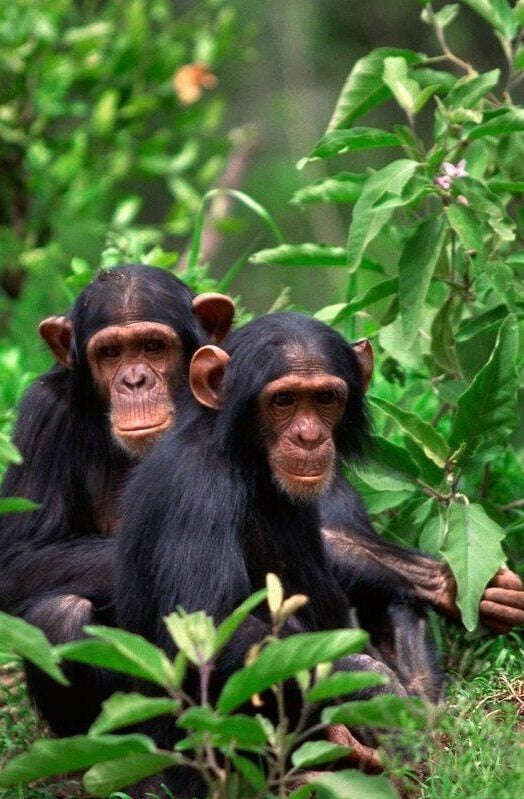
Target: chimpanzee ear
206 370
57 332
364 352
215 312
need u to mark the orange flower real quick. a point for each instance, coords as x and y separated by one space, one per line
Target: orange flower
190 80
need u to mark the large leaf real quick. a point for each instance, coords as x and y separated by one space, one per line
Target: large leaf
314 753
364 88
498 13
122 651
347 784
344 682
386 187
245 731
424 434
280 660
301 255
343 188
468 90
406 91
30 643
417 263
392 456
344 141
472 549
387 711
122 710
487 410
235 619
466 225
16 505
106 778
47 758
501 125
373 294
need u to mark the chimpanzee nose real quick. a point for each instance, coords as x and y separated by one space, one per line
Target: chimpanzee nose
135 378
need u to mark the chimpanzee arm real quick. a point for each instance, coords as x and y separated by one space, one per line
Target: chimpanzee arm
349 535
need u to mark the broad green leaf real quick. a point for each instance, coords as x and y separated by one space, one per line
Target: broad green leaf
301 255
280 660
488 408
498 13
344 682
245 730
344 188
106 778
374 294
387 711
368 217
122 651
404 89
121 710
330 312
515 187
467 227
442 334
391 456
501 125
251 772
470 327
472 549
235 619
314 753
346 784
424 434
344 141
30 643
364 88
47 758
8 452
468 90
417 263
16 505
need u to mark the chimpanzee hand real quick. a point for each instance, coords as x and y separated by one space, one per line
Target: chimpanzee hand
502 604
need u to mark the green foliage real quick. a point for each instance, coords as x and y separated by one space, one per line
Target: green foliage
434 262
218 734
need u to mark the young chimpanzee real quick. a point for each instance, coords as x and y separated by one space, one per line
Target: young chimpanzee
231 494
123 351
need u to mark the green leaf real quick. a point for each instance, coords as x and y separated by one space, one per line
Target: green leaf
468 90
424 434
229 625
373 294
387 711
346 784
443 17
498 13
246 731
344 188
47 758
16 505
30 643
8 452
280 660
254 775
384 186
301 255
487 410
511 121
314 753
467 227
122 651
391 456
344 682
472 549
121 710
193 633
106 778
404 89
417 263
364 88
344 141
471 327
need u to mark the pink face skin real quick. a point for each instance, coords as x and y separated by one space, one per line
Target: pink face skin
133 367
299 413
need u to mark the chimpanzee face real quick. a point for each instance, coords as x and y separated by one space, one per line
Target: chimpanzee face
134 368
299 413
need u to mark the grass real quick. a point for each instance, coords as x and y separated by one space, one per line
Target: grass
477 752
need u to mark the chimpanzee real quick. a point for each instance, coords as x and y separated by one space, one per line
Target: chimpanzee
232 492
123 353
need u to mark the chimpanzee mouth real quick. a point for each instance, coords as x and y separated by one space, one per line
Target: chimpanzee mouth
145 429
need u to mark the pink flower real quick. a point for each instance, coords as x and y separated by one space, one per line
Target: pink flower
458 171
444 182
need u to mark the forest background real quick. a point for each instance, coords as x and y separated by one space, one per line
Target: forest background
403 223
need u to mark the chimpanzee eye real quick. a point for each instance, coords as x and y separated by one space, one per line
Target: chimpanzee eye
109 351
154 345
283 399
326 397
